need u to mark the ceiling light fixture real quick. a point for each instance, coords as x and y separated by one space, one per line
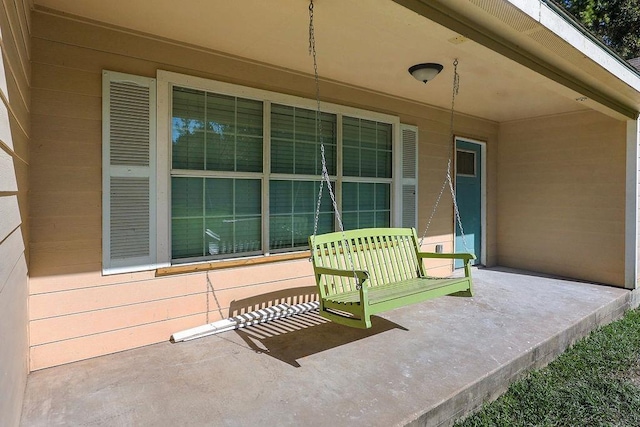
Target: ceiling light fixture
425 72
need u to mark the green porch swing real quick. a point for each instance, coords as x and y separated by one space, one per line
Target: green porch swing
362 272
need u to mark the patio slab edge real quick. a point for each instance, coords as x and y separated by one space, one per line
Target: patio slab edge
471 398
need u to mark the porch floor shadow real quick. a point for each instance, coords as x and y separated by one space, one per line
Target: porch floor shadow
425 364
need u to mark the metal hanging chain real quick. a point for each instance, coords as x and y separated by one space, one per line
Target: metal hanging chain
325 172
448 180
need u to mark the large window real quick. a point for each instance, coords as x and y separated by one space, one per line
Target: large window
217 144
245 171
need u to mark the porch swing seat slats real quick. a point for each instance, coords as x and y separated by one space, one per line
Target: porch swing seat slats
363 272
383 293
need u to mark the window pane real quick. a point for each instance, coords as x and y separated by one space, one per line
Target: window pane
302 229
231 140
349 197
384 137
295 143
280 197
187 133
219 197
350 132
351 161
366 196
366 148
221 114
366 219
186 196
383 197
383 219
368 166
305 125
249 154
215 216
292 206
281 156
187 239
220 151
249 118
280 232
350 220
383 163
368 136
366 205
307 158
282 122
330 155
247 197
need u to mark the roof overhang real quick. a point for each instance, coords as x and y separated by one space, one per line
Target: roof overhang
517 59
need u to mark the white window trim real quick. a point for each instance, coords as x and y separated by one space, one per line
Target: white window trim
165 81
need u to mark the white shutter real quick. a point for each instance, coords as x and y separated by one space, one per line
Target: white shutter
409 175
129 172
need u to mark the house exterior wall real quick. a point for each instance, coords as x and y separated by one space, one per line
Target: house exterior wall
75 311
561 196
15 75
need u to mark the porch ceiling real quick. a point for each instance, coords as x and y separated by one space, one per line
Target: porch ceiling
368 44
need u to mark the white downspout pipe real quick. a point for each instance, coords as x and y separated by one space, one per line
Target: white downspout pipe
253 318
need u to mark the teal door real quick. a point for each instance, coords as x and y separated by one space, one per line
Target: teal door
469 198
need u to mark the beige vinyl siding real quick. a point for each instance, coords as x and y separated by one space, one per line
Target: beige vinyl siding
76 312
14 164
561 196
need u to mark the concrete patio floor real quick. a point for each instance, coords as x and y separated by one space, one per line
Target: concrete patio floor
426 364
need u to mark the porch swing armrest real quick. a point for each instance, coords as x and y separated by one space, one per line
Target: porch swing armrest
463 256
362 275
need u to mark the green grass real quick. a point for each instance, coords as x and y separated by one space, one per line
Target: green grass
594 383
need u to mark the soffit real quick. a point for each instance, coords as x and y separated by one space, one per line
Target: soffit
365 43
535 28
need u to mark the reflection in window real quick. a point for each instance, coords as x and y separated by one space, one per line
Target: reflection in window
231 140
292 207
215 216
295 145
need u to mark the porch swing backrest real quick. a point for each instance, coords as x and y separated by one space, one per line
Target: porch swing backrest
387 255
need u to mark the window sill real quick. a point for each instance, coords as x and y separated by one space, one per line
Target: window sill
232 263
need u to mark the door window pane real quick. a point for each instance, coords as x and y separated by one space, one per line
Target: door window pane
465 163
